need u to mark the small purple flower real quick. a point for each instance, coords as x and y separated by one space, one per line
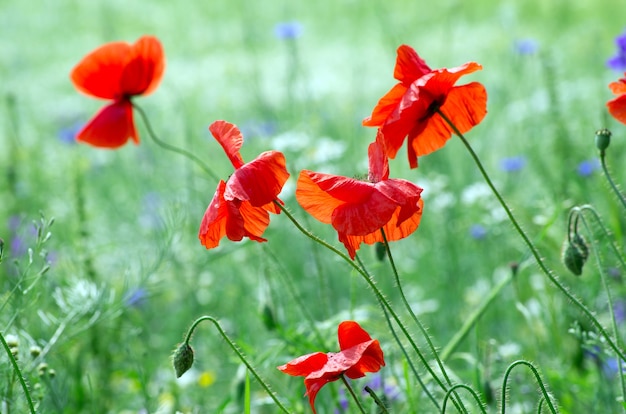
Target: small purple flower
618 62
587 167
513 164
526 46
288 30
478 231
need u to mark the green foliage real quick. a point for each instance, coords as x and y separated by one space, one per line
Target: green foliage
107 290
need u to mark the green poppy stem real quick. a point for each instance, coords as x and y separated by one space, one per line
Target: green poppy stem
382 408
237 351
534 371
544 268
370 281
614 187
173 148
414 317
467 388
352 393
18 372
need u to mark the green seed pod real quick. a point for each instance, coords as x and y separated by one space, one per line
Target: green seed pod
269 318
182 359
603 139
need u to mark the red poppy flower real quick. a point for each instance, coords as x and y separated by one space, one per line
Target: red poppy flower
117 71
359 209
359 355
617 106
240 207
409 108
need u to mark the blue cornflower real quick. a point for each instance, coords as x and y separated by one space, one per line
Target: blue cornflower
478 231
618 62
68 134
288 30
136 298
587 167
526 46
512 164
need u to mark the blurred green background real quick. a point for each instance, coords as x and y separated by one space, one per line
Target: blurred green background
128 275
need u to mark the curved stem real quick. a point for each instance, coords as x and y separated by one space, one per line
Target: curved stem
19 374
239 354
607 233
610 180
537 377
173 148
415 319
370 281
609 299
403 349
382 408
544 268
351 391
465 387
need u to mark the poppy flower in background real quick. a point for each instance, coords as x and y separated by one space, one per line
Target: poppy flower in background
358 355
240 207
617 106
117 71
409 108
359 209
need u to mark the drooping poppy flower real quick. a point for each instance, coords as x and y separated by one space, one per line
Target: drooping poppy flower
241 206
358 210
117 71
617 106
358 355
410 107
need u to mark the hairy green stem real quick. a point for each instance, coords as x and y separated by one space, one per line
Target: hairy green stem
544 268
351 391
382 408
537 377
173 148
370 281
237 351
614 187
415 319
609 299
467 388
19 374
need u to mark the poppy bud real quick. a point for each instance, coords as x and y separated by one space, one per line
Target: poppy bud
603 139
182 359
575 254
269 319
35 351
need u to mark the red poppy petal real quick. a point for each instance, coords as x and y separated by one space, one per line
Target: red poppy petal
254 221
312 388
144 67
465 106
313 199
378 162
213 226
371 360
259 181
230 138
364 215
619 87
350 334
111 127
386 106
305 364
98 74
409 66
617 108
438 85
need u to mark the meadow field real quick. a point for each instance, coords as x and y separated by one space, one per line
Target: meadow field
102 272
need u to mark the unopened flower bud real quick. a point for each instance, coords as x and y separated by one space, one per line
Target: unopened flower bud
381 251
182 359
575 254
35 351
42 369
603 139
52 373
12 341
269 319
